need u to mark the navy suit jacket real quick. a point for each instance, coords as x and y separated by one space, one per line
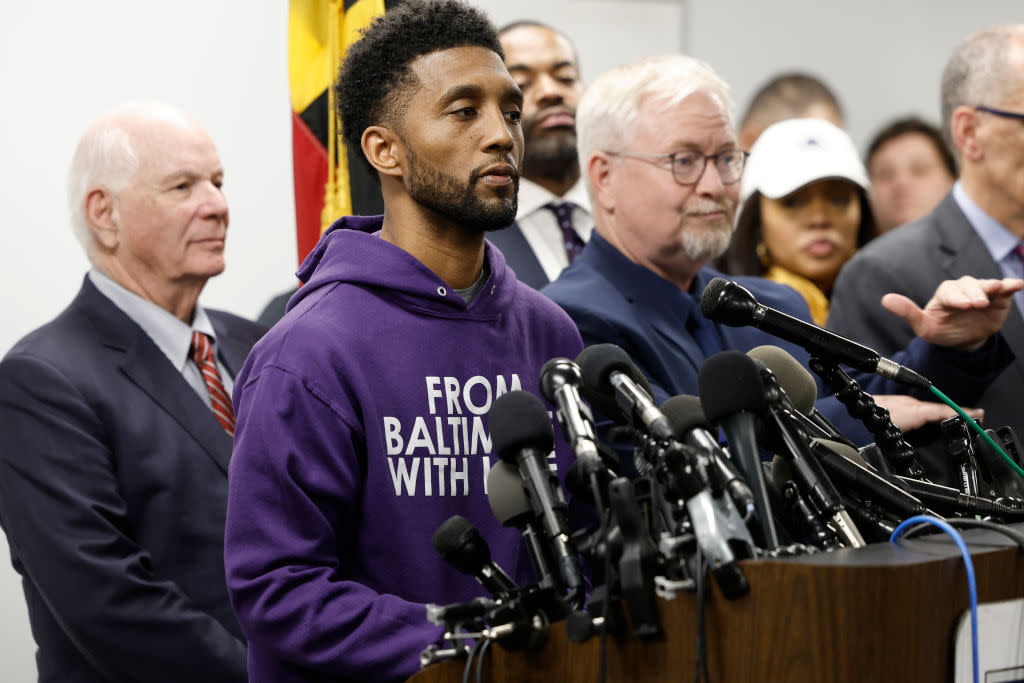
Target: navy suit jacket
113 494
519 255
613 300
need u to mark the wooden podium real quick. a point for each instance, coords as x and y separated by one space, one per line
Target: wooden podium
880 613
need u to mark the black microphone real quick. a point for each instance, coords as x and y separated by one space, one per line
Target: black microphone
813 480
611 378
732 396
844 463
522 435
510 506
560 381
948 498
728 303
462 547
798 383
691 426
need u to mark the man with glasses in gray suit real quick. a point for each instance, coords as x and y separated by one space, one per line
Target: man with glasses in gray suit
977 230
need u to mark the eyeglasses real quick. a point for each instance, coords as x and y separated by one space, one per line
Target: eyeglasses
688 167
1001 112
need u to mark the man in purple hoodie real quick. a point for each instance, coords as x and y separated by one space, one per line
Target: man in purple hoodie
362 416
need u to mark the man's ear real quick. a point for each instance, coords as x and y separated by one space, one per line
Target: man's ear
600 173
964 127
384 150
102 217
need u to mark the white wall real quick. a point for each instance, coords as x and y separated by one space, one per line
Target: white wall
64 63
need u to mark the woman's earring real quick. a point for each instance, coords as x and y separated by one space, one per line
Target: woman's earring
762 255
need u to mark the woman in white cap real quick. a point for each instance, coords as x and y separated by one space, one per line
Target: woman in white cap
803 209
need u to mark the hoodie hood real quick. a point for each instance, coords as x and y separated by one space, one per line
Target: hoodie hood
352 252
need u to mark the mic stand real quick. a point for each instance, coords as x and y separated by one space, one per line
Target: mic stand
888 437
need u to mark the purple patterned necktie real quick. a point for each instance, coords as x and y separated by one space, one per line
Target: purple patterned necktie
572 241
1019 252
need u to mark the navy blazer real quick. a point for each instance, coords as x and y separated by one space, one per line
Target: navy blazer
519 255
613 300
113 494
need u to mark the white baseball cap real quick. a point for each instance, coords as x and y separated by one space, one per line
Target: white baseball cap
795 152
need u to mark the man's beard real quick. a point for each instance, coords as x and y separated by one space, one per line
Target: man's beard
550 154
711 241
444 194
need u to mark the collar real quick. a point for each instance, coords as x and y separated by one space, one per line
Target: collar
172 336
533 197
642 286
997 239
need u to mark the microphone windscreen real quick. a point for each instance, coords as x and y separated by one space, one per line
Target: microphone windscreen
684 413
796 380
710 298
728 303
461 545
730 382
519 420
597 363
506 494
848 452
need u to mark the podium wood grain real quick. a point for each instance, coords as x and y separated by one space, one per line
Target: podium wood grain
881 613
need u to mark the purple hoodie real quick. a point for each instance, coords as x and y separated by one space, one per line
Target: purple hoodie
362 426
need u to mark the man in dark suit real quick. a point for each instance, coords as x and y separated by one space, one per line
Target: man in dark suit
117 423
553 221
660 153
977 230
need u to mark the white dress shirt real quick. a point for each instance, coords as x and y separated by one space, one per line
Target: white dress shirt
540 227
171 335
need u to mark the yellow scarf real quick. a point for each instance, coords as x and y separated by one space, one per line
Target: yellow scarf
816 300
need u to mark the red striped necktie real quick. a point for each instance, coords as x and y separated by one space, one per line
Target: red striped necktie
202 354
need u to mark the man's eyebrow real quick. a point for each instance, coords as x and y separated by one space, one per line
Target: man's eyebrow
457 92
526 67
472 91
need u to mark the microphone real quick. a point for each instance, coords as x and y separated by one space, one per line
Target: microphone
948 498
801 513
610 377
845 463
560 379
510 507
462 547
809 473
522 435
799 385
690 425
732 396
730 304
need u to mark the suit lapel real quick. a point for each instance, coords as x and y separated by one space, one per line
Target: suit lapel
518 255
964 253
148 368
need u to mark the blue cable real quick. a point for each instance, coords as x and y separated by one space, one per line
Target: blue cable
972 587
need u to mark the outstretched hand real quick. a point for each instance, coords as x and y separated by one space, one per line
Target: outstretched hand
908 413
962 313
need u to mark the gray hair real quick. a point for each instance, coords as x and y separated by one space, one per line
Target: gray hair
609 107
978 73
104 158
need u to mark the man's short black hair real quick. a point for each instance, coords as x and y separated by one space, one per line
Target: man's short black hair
375 79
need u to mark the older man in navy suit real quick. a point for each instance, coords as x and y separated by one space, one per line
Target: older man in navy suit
659 151
117 422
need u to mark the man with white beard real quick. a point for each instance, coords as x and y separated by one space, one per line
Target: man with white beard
659 153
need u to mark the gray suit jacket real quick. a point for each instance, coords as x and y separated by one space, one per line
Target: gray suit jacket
113 494
913 260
